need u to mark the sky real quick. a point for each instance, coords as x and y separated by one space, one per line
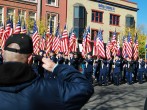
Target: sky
142 13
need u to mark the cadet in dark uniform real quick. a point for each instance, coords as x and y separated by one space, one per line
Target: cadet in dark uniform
117 71
103 73
72 61
77 60
60 58
141 69
129 70
135 67
66 60
53 56
89 67
1 58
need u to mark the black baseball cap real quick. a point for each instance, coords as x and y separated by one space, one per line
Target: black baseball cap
24 41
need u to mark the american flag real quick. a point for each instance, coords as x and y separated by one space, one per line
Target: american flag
118 47
64 41
114 44
124 48
1 30
84 44
35 39
56 41
88 43
73 43
108 52
95 51
100 45
24 30
129 46
43 42
49 39
6 33
18 27
135 53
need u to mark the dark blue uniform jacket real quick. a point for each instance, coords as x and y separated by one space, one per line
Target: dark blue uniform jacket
22 89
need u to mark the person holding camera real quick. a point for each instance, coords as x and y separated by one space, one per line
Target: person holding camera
22 89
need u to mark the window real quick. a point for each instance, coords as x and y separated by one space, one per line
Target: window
52 18
32 16
52 2
114 19
97 16
1 15
10 13
21 14
130 22
79 20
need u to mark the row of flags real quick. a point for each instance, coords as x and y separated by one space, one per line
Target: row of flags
67 43
59 42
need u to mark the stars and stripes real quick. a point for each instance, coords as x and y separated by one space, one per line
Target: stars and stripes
73 43
35 39
88 43
1 30
64 41
18 27
114 44
84 44
100 44
108 52
124 48
135 53
129 46
43 42
56 41
49 38
24 30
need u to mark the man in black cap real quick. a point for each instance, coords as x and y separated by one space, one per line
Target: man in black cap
22 89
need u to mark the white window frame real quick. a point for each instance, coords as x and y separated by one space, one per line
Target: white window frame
34 16
55 4
55 20
21 15
2 14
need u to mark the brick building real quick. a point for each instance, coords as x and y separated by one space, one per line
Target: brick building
56 11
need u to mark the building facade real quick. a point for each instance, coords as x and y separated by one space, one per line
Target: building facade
14 8
107 15
54 11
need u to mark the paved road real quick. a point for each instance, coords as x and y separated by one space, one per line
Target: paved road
123 97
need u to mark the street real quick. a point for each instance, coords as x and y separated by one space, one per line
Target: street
123 97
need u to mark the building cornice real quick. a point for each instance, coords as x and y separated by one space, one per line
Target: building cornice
116 5
24 2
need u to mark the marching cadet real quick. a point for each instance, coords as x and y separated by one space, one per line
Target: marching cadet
135 67
66 61
89 67
109 69
53 56
129 70
116 70
77 60
141 68
103 73
60 59
72 61
145 72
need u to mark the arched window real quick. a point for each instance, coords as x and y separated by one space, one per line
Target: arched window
130 22
80 18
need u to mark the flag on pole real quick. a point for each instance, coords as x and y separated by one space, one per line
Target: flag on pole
118 47
43 42
35 39
84 42
108 52
73 42
95 51
88 43
24 30
114 44
56 41
18 27
135 53
129 46
100 45
124 48
64 41
49 36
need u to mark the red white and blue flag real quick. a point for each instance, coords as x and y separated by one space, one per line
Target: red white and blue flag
136 52
129 46
24 30
73 42
43 42
18 27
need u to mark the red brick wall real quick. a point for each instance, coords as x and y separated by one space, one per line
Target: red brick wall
61 10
